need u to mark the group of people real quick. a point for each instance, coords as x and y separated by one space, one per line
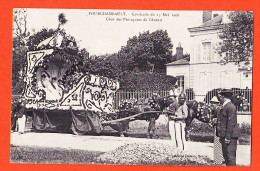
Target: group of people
52 87
225 125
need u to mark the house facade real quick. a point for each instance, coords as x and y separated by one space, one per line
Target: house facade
205 71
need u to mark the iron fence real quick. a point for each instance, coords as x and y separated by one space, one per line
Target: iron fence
191 95
205 96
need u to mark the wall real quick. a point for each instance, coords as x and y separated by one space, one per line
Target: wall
176 70
209 74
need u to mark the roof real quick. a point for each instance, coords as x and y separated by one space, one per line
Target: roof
214 23
184 61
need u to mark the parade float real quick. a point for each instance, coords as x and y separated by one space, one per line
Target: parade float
59 96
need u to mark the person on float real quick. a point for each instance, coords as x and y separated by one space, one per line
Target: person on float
56 89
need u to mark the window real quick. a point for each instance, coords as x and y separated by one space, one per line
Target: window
198 52
226 78
206 51
205 81
180 82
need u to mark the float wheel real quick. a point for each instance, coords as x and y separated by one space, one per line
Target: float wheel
76 131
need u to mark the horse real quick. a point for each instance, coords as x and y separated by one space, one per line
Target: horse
201 111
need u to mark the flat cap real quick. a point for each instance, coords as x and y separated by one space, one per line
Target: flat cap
226 92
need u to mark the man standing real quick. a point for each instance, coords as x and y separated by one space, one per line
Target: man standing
227 128
21 117
154 116
177 122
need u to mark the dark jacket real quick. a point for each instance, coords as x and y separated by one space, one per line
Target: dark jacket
227 122
20 111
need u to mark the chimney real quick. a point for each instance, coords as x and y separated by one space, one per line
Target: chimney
207 15
179 52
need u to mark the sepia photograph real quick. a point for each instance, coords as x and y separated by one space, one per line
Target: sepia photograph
131 87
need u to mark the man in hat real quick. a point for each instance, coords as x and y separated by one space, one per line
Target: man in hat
227 128
177 122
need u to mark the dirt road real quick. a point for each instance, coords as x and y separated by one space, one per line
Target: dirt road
108 143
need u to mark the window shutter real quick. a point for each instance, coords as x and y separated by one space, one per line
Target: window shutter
202 81
198 52
209 81
186 86
213 51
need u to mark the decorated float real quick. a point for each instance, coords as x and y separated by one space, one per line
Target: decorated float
59 96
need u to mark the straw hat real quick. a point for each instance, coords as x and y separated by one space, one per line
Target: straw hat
172 93
215 99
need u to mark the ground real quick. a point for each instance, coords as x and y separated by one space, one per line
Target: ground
109 148
97 145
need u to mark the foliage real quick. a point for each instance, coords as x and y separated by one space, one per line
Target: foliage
146 81
201 127
20 37
237 37
245 129
51 155
106 65
148 51
20 23
62 20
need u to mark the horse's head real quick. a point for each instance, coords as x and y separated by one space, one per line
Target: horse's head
163 102
193 111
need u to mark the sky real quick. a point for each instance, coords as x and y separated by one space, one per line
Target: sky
104 33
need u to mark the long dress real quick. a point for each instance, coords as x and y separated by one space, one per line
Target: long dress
218 155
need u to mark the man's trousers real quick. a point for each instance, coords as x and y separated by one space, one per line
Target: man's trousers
229 151
21 124
177 133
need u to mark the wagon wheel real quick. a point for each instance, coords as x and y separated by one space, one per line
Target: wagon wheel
77 131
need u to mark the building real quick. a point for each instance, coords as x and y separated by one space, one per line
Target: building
205 71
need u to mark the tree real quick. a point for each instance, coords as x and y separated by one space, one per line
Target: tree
237 37
62 20
148 51
24 42
20 37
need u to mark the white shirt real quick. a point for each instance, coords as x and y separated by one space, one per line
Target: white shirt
225 102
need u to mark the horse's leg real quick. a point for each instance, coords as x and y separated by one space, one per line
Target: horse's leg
187 128
149 129
126 127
